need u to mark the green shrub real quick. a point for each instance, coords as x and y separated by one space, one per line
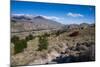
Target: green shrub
19 46
46 35
58 33
43 43
14 39
29 37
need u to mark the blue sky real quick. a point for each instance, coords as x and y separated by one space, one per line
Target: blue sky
65 14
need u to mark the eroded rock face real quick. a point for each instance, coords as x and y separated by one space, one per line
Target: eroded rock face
73 34
81 54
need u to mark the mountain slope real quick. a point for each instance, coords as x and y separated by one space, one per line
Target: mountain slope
21 23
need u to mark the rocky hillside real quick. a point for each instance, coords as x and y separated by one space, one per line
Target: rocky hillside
26 23
72 43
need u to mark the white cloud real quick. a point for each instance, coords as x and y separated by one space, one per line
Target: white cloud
74 14
26 15
17 14
22 15
53 18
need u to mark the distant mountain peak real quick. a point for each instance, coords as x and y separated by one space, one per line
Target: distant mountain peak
36 22
39 17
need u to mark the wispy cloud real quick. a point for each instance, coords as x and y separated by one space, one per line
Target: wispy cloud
22 15
53 18
75 14
26 15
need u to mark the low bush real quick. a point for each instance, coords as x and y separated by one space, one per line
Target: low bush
14 39
43 43
58 32
29 37
19 46
46 34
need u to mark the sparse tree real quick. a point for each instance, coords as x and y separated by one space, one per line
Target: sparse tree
29 37
43 43
14 39
19 46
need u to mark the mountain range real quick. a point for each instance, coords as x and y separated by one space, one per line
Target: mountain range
24 22
27 22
